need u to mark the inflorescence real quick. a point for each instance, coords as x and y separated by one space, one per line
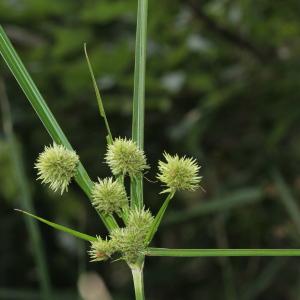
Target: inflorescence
57 166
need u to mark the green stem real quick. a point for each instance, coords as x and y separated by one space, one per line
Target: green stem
139 74
138 113
159 217
138 280
220 252
35 98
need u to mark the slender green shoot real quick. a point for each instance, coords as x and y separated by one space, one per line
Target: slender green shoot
159 217
42 110
98 97
138 113
140 74
75 233
220 252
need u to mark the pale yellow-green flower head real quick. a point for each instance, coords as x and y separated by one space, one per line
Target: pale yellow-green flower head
124 157
179 173
101 250
140 219
57 166
128 242
109 196
131 241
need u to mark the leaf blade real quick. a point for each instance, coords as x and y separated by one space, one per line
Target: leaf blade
38 103
56 226
220 252
98 96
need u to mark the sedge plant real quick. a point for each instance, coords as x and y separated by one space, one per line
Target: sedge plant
131 226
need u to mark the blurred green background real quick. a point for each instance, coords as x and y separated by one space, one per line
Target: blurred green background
223 86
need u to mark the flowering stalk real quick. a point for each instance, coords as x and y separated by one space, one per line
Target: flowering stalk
138 279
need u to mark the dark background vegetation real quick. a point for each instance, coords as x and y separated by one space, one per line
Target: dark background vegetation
223 86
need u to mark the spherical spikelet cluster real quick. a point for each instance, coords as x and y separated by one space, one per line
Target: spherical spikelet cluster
101 250
56 166
131 240
109 196
129 243
124 157
141 219
179 173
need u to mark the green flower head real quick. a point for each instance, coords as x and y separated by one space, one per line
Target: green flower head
56 166
141 220
131 241
124 157
109 196
179 173
101 250
128 242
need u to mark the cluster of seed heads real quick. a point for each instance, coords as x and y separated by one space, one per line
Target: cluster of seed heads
57 166
129 242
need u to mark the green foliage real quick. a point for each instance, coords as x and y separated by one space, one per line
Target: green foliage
229 98
60 227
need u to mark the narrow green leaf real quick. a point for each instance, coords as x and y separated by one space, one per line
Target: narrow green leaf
98 96
75 233
44 113
220 252
159 217
138 113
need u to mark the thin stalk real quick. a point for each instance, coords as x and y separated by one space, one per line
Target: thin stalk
220 252
140 74
98 97
159 217
35 98
138 113
138 280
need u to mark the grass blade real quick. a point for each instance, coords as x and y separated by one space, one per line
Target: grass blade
138 112
220 252
75 233
42 110
98 96
159 217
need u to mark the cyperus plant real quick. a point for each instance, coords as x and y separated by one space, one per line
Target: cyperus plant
129 238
